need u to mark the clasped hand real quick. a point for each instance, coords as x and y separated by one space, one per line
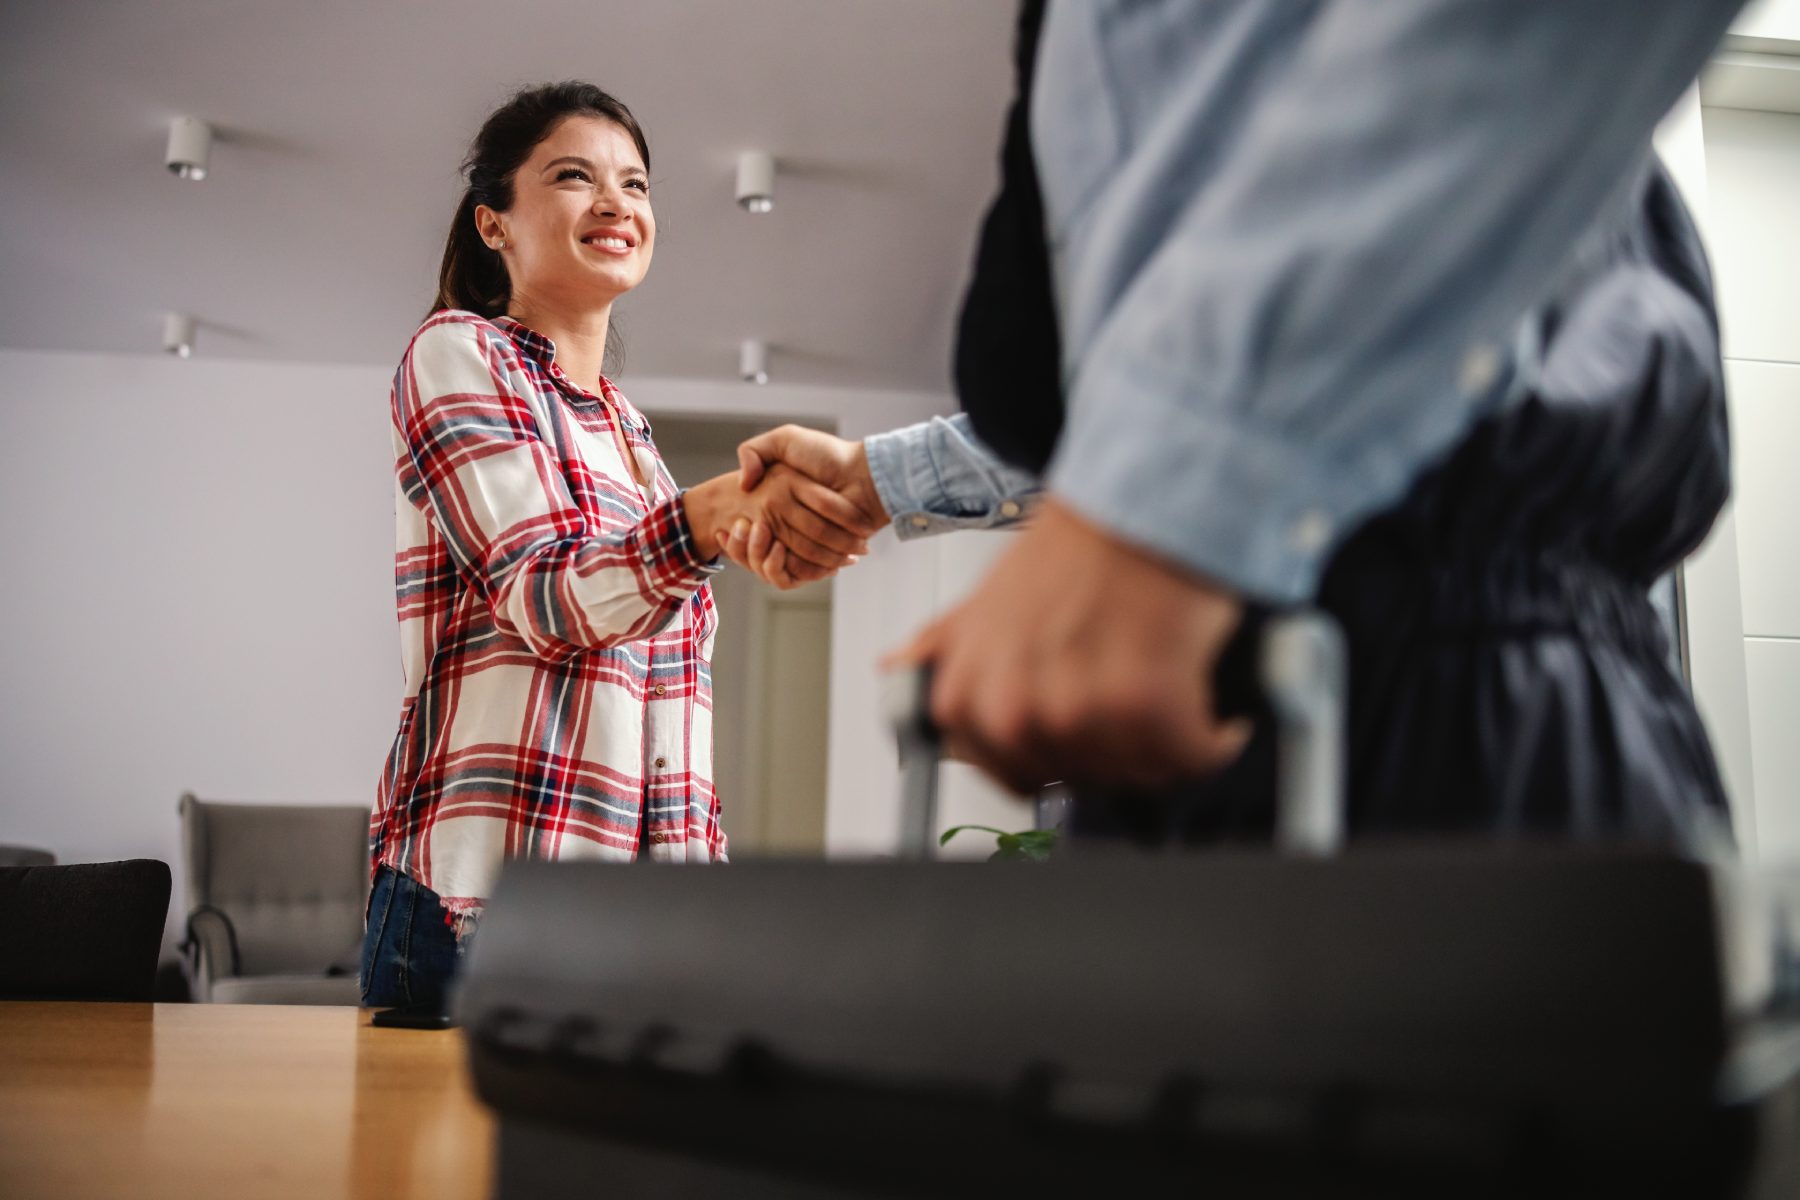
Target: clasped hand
797 515
838 490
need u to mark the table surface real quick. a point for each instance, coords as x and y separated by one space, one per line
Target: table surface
204 1100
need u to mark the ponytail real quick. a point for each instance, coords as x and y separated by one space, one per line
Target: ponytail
472 276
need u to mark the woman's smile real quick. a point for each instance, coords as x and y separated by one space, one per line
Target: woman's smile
609 241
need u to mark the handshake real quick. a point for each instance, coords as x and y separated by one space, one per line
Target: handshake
801 506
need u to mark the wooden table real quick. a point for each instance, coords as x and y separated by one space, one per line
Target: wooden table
203 1100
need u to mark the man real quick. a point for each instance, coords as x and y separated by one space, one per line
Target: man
1315 266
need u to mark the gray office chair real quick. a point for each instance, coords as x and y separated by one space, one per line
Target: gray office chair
275 896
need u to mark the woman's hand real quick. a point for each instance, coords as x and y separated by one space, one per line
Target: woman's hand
819 530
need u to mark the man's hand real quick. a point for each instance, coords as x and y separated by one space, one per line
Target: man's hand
840 465
1084 659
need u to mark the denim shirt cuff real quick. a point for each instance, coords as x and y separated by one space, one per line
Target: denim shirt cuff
913 488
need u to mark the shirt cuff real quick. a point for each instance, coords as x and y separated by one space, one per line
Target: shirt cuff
921 501
670 554
1247 510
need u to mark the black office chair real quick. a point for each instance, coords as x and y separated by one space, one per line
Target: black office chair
86 931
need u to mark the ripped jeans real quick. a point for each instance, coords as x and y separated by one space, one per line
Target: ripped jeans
410 949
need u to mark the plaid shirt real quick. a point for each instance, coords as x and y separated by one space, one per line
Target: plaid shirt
556 625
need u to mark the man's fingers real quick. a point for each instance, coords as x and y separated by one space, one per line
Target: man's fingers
836 508
1142 737
791 572
820 513
750 466
802 548
756 454
789 522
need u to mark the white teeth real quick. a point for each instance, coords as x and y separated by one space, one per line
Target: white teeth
610 243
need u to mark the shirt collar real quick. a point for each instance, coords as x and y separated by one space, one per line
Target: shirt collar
543 351
529 340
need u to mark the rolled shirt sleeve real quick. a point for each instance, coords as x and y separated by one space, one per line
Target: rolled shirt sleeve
938 476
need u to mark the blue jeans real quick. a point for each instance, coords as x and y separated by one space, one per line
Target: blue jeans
409 953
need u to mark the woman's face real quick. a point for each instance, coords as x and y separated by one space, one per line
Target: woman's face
580 230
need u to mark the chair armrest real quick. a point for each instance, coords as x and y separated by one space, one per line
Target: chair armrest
210 950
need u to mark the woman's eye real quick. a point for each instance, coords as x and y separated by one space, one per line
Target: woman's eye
642 185
571 173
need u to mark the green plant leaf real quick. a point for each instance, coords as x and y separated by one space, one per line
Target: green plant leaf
1027 845
1030 845
944 838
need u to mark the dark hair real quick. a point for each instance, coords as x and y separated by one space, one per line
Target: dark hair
472 275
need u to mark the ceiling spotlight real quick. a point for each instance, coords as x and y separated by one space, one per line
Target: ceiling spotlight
190 140
753 361
756 181
178 334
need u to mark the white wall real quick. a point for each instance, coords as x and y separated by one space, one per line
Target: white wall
1753 231
1778 20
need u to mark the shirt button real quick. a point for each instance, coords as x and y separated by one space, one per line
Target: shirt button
1310 532
661 763
1010 509
660 689
1480 367
921 522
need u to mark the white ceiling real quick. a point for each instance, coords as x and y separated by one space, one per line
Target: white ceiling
317 235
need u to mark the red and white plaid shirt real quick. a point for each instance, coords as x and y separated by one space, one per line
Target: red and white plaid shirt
556 625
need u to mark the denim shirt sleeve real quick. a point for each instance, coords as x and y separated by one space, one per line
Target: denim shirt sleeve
1293 244
937 476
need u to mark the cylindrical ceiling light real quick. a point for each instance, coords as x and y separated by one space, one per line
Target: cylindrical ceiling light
178 334
756 181
190 141
753 361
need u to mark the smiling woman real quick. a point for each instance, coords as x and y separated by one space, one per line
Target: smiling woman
551 579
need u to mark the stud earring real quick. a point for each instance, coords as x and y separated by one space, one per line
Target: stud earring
500 245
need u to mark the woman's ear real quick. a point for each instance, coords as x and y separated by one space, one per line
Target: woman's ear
487 224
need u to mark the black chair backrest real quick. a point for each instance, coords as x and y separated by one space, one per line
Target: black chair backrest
85 931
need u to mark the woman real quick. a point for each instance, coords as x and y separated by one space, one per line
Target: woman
556 621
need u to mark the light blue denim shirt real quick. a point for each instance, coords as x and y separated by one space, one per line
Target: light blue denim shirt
1292 245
